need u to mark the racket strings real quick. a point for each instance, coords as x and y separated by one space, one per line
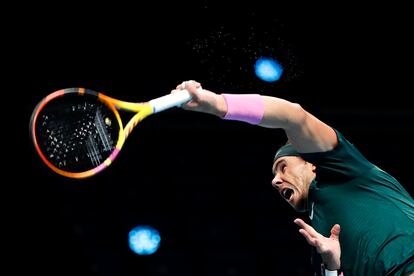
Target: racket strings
102 131
77 135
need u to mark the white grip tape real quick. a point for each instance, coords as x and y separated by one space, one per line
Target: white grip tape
171 100
331 272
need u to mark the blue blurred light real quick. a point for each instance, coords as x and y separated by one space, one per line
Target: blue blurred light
268 69
144 240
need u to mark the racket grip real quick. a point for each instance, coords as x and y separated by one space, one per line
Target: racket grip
171 100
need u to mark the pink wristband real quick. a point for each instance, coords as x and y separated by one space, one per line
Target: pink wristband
244 107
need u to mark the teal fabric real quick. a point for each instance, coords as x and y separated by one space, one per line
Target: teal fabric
375 212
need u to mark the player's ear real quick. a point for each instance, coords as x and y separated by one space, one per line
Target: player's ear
313 167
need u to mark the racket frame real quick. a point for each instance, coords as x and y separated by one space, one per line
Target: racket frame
142 110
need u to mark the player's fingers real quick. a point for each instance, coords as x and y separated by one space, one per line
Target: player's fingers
194 88
189 83
336 229
306 227
182 85
197 84
308 237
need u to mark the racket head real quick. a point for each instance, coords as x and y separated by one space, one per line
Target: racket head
76 132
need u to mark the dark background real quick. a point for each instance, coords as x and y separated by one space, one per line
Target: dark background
203 182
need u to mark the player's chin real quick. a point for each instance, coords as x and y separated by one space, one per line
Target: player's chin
299 205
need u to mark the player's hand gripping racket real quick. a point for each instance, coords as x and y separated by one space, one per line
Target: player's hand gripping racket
78 132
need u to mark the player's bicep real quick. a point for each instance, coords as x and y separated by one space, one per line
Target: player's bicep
306 132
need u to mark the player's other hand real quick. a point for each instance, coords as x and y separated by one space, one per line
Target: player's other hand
328 247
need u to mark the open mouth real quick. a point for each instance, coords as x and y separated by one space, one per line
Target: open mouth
287 193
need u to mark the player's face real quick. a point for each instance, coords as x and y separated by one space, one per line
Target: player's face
293 176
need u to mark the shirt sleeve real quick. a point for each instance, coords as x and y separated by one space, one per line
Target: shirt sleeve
344 162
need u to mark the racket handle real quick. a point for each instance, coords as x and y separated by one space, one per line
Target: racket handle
171 100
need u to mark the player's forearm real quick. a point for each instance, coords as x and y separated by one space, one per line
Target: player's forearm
280 113
266 111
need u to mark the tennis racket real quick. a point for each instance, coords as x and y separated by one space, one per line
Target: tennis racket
78 132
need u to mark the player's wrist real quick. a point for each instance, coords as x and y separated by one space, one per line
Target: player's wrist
331 268
247 108
221 106
331 261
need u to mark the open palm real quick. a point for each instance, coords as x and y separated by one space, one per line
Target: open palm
328 247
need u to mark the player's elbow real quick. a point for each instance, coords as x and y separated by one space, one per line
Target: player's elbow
298 116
